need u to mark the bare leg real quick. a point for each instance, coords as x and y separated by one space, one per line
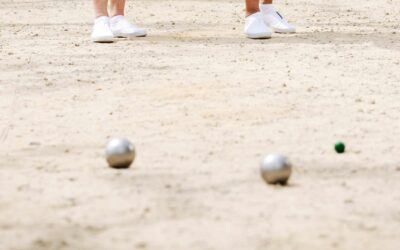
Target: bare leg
100 8
252 7
117 7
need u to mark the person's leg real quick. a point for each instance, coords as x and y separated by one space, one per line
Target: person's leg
252 6
120 26
100 8
101 29
255 27
117 7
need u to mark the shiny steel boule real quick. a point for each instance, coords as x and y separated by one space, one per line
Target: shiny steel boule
120 153
276 169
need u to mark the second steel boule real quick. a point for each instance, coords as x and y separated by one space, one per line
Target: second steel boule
276 169
120 153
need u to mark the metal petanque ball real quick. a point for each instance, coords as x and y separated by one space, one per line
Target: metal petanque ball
276 169
120 153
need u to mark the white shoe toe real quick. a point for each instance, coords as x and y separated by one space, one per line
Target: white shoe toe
255 28
101 31
284 29
103 39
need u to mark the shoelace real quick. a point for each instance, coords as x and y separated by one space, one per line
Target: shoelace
279 15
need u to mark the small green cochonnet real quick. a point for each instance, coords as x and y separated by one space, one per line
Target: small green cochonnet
340 147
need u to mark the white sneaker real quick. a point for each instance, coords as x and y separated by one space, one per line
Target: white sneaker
274 20
120 27
101 30
255 27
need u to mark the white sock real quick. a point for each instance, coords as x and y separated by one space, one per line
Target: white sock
267 8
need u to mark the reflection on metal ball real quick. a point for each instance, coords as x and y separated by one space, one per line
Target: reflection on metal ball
276 169
120 153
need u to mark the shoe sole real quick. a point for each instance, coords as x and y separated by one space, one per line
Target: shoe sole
130 36
284 31
259 36
103 40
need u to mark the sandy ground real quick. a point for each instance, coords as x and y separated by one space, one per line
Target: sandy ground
203 104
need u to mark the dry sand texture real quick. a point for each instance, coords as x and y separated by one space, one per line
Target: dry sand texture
203 104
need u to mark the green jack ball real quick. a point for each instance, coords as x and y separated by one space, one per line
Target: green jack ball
340 147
